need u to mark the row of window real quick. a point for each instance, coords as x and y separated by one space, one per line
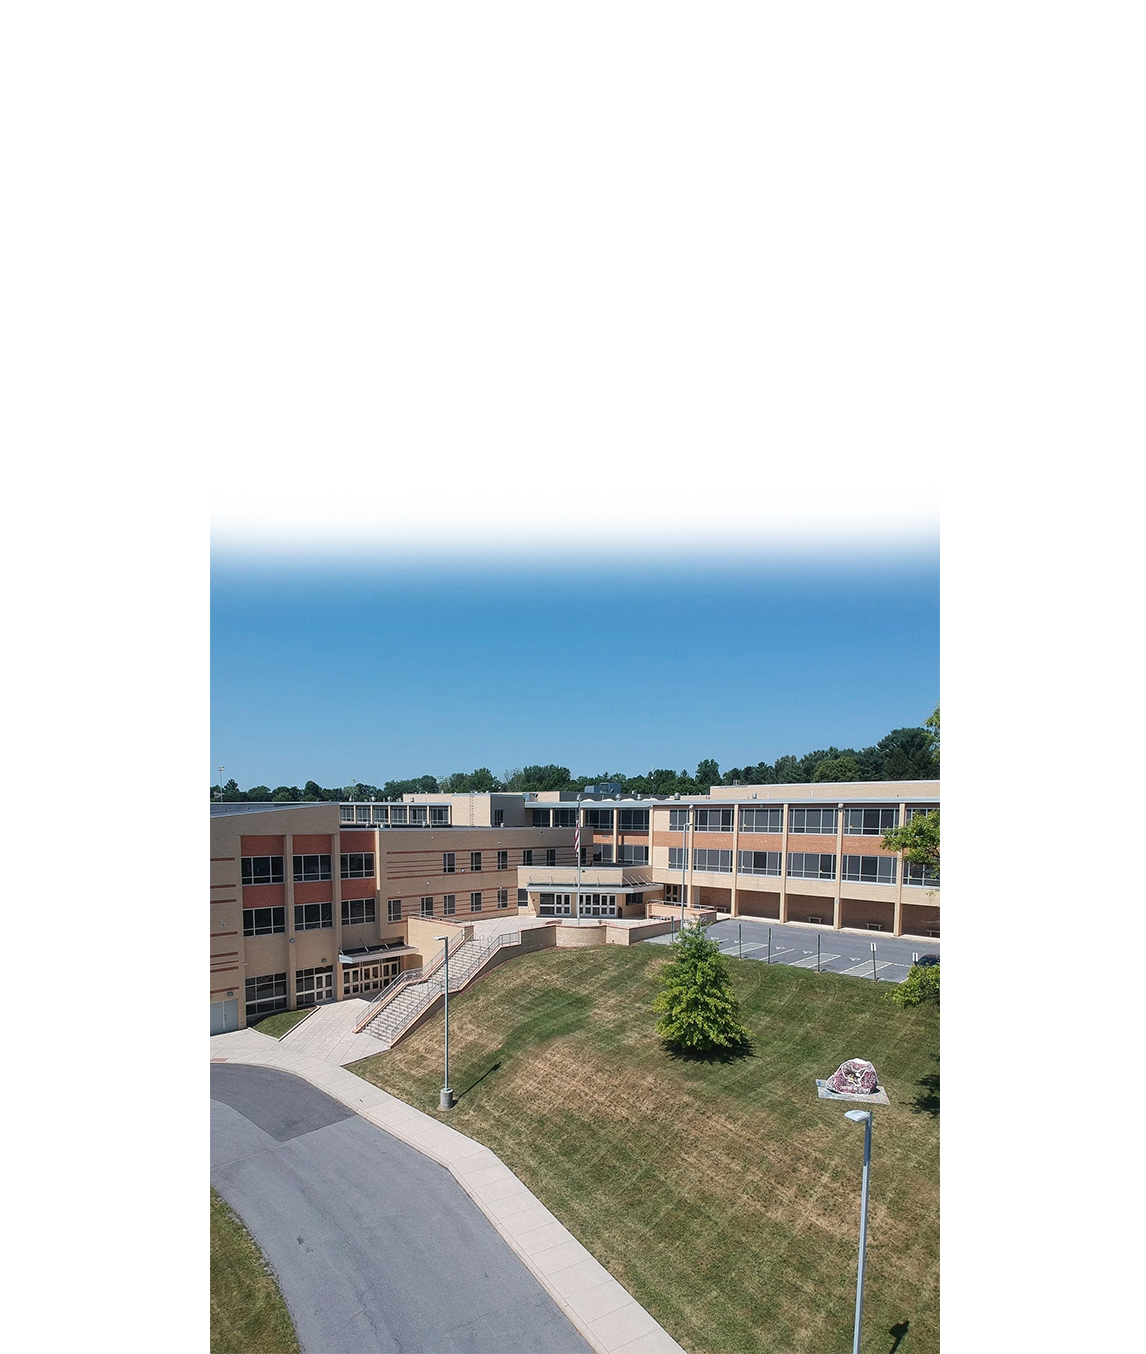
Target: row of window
858 822
306 869
601 853
426 905
396 815
591 904
271 921
553 817
312 985
806 865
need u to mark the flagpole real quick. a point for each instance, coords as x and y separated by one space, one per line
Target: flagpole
577 851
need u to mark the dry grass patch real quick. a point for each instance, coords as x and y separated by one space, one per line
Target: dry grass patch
724 1196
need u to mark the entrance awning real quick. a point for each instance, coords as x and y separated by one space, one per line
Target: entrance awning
370 956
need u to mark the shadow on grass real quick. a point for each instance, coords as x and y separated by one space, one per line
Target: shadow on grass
478 1080
714 1055
927 1100
899 1330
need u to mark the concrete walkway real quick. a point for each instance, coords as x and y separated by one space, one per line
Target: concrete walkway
611 1321
329 1033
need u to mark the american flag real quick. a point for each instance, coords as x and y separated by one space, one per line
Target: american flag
577 836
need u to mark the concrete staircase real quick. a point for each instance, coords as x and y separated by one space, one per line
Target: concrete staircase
414 995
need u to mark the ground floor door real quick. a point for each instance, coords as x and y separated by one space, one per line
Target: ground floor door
224 1016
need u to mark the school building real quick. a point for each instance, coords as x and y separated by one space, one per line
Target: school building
319 902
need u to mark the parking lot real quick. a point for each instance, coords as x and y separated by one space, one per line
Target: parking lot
839 951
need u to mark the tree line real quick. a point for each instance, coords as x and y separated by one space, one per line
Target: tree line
903 754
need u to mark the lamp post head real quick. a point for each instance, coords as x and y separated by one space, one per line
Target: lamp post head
857 1116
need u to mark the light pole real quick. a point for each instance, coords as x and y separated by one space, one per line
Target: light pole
446 1101
862 1117
856 1080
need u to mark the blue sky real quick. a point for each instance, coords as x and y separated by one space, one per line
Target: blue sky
489 663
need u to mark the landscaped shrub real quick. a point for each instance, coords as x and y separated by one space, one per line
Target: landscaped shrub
921 984
698 1008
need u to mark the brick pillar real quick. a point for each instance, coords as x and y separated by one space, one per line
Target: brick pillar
288 891
837 911
734 901
784 863
897 924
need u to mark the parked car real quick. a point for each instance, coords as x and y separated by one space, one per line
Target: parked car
926 960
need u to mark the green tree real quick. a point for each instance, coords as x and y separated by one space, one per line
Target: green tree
931 724
707 773
918 840
837 768
312 791
698 1009
920 985
549 777
259 794
285 794
232 792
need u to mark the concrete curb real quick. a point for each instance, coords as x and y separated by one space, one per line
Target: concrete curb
606 1315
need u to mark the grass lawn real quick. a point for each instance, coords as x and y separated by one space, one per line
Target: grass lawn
278 1024
724 1196
248 1315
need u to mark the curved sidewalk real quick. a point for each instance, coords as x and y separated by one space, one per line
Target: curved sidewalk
609 1318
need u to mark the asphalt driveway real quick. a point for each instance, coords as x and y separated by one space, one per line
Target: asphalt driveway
376 1247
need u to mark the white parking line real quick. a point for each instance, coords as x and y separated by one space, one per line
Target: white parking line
866 966
810 962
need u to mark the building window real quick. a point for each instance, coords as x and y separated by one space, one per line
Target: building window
869 822
358 865
539 817
362 813
678 820
714 820
475 860
633 820
676 857
564 817
762 820
356 911
449 904
869 869
499 817
266 994
555 905
358 978
597 905
712 862
475 902
379 814
503 860
551 855
633 855
419 815
312 985
811 865
603 853
398 815
262 870
637 899
760 862
393 909
673 892
440 815
918 810
921 876
313 916
346 813
522 897
601 820
527 856
264 921
822 821
447 862
584 855
503 897
427 907
307 869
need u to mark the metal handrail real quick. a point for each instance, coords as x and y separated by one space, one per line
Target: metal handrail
487 948
409 976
